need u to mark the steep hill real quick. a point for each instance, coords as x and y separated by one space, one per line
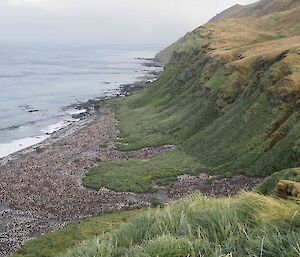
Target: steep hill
229 99
273 8
229 95
258 9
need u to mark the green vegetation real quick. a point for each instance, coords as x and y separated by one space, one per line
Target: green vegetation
229 99
57 243
251 225
235 108
103 145
269 185
137 176
246 134
39 149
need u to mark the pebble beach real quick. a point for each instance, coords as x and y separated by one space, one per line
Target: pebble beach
41 187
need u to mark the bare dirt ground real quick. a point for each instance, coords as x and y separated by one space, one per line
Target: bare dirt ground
41 190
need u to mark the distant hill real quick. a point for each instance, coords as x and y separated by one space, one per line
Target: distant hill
248 13
258 9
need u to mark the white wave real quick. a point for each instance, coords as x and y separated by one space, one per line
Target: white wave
75 111
71 120
55 127
20 144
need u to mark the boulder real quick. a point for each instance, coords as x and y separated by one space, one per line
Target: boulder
287 188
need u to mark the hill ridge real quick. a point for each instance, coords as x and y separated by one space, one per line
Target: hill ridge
257 9
267 10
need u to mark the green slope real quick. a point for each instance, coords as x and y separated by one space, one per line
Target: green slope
257 9
274 9
228 98
233 103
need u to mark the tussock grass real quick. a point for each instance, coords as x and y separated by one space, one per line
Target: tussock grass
223 121
251 225
229 98
57 243
227 131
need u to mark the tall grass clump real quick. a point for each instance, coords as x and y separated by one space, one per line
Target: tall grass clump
57 243
251 225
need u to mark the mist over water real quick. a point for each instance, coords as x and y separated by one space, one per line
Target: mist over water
37 83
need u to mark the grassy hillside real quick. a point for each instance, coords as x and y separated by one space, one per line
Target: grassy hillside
57 243
257 9
269 18
229 97
250 225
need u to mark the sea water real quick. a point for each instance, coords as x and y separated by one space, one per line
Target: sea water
38 83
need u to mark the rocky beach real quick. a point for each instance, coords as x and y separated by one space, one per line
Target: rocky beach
41 187
117 140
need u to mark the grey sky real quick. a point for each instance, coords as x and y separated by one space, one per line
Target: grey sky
105 21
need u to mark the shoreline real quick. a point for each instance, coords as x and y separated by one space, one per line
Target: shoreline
41 187
18 224
86 112
42 191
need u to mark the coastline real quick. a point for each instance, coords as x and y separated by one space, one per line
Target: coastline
41 189
18 225
82 114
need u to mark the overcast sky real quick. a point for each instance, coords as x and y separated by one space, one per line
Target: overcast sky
157 22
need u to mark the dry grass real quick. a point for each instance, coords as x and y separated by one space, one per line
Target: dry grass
251 225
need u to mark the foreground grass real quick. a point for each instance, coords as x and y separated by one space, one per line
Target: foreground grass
57 243
138 176
251 225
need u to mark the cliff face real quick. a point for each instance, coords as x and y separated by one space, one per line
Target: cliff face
232 90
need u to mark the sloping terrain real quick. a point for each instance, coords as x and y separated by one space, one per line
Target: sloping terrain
257 9
270 185
229 95
273 10
229 100
251 225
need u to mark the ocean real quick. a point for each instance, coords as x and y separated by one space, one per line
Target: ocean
39 83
